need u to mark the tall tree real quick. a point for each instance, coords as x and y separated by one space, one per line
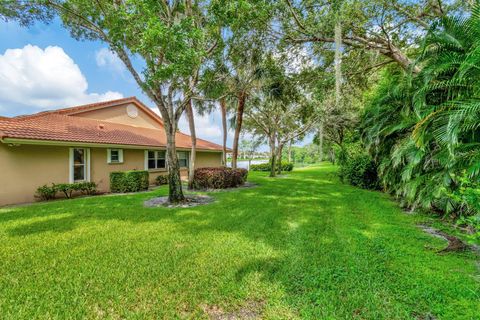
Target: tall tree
243 78
249 146
387 27
193 138
279 111
170 38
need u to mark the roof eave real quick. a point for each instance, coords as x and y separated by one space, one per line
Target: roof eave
18 141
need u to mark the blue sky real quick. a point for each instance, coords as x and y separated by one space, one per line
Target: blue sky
43 68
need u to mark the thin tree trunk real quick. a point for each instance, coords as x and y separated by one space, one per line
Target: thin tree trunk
332 156
279 158
290 151
223 108
338 63
320 141
273 161
240 108
193 136
175 193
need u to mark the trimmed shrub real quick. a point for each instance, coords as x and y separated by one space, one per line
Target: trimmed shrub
360 171
219 178
129 181
66 188
46 193
161 180
88 188
286 166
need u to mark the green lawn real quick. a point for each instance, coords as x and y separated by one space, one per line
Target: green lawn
299 246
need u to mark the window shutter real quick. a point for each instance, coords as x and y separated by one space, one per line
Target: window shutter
146 160
120 155
109 155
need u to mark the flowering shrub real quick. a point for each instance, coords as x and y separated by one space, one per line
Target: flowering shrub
219 178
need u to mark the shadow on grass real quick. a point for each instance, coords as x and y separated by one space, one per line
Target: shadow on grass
342 252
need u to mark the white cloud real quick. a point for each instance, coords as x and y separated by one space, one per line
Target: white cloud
106 58
32 79
205 126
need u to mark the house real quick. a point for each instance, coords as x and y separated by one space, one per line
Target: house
86 143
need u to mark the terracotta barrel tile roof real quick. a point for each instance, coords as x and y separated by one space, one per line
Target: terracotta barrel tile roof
58 126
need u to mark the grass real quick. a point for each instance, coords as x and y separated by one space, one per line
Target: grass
300 246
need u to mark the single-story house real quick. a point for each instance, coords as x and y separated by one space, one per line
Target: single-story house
86 143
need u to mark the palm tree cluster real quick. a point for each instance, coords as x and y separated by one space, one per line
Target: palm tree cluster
423 128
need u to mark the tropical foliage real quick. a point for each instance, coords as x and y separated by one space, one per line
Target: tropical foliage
424 129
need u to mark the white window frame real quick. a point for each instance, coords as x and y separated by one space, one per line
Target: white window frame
156 158
86 166
187 158
109 156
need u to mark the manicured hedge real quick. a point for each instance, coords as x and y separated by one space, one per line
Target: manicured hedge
128 181
46 192
286 166
219 178
161 180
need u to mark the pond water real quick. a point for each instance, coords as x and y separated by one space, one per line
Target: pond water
244 163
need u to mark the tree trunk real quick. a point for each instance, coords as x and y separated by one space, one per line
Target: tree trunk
279 158
320 141
273 161
223 108
175 192
290 151
193 136
338 63
332 156
240 108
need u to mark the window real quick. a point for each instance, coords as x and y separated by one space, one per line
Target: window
79 162
114 155
156 160
182 159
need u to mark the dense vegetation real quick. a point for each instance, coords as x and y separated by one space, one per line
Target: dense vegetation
423 129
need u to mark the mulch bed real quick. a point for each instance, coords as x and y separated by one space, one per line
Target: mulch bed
191 200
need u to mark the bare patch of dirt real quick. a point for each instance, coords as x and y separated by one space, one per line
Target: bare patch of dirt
191 200
252 310
454 243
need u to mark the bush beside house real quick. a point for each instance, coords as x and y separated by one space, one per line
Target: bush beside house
219 178
128 181
46 192
161 180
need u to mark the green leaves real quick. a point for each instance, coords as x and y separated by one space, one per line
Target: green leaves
424 129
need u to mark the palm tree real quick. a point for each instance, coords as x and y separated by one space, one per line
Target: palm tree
424 129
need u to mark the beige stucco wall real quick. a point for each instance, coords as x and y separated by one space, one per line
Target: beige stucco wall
208 159
100 168
118 114
24 168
